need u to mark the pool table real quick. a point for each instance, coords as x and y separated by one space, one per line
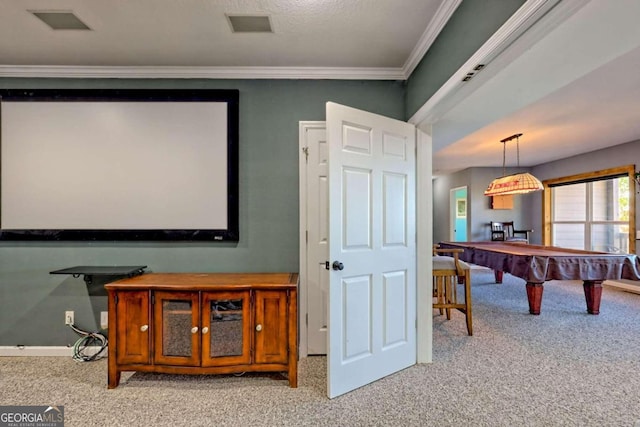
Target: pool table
537 264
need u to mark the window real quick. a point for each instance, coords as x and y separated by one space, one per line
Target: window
591 211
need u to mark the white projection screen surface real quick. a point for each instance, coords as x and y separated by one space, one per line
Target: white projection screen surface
117 169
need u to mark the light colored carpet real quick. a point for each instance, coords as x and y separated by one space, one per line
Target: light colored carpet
562 368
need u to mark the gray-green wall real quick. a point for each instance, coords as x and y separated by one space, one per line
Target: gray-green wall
470 26
32 302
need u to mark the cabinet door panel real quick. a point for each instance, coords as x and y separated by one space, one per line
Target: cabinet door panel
226 328
271 327
177 328
132 327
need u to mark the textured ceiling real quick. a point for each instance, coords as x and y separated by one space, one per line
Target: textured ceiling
309 33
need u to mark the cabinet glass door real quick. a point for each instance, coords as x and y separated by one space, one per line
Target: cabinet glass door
177 333
225 328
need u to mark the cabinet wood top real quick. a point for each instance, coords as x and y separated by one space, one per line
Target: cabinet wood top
197 281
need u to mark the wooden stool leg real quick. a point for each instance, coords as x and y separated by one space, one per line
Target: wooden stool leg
467 302
448 293
437 288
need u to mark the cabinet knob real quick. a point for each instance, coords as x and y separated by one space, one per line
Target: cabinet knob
194 329
205 330
258 327
143 328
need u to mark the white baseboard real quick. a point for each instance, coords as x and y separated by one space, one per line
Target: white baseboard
35 351
40 351
625 285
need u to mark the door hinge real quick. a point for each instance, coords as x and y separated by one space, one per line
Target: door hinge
153 299
305 150
115 298
306 236
306 320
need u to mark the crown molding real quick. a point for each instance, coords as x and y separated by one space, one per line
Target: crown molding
522 20
183 72
437 23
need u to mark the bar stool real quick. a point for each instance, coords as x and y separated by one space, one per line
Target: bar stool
448 272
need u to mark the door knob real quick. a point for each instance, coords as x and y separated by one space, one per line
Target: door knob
337 265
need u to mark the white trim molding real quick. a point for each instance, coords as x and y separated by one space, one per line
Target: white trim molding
22 350
46 351
303 287
424 246
523 19
437 23
178 72
625 285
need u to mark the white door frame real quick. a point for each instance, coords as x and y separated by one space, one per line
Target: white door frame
303 309
424 246
424 242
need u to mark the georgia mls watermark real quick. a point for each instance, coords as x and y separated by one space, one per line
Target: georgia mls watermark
31 416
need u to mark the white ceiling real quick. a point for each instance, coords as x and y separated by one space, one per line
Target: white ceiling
570 85
375 34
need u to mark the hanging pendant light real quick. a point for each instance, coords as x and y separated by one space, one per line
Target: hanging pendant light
519 183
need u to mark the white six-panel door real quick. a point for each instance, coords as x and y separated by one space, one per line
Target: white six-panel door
372 233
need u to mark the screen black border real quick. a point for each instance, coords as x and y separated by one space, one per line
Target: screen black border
230 96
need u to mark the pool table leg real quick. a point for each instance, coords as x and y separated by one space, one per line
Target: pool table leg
593 293
498 275
534 294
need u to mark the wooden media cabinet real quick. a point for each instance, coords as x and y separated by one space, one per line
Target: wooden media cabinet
209 323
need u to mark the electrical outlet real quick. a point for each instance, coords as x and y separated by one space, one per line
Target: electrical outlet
68 318
104 319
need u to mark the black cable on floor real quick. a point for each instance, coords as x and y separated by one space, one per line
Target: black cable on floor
89 340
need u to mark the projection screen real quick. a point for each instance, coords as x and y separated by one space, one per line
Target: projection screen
122 165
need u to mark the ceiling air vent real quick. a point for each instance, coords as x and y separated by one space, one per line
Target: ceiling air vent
60 20
250 24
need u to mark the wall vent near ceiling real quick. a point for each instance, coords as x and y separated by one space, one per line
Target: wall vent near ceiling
250 23
60 20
